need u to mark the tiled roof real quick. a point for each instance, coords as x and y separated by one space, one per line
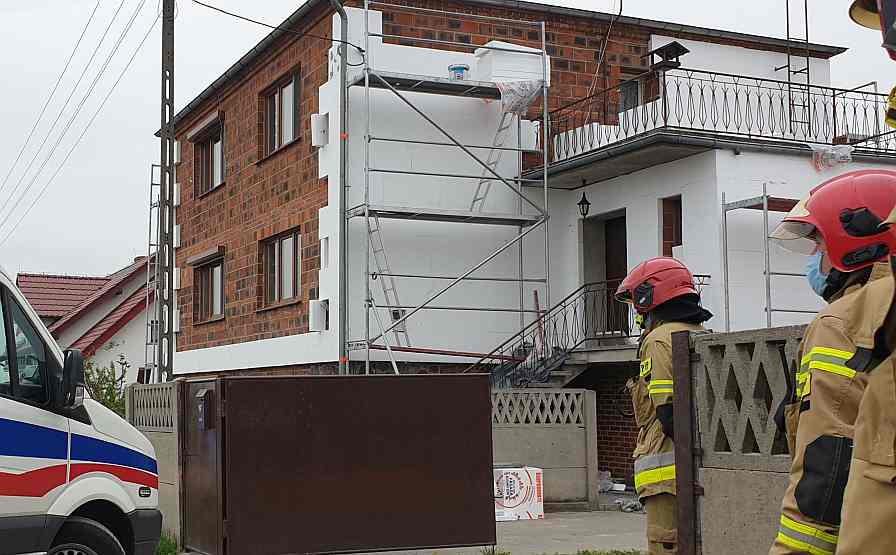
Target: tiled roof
53 296
105 329
110 287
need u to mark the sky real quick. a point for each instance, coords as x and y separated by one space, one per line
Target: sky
92 218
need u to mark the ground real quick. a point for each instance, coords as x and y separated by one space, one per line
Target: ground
566 533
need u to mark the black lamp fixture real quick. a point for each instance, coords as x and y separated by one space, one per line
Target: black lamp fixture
584 206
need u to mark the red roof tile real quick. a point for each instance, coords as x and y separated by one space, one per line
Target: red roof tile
115 281
54 296
105 329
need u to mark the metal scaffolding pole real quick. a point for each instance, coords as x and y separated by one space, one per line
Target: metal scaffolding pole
368 292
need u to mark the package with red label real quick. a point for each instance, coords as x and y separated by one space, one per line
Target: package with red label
519 493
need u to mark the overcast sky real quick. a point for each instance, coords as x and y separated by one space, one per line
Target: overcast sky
93 217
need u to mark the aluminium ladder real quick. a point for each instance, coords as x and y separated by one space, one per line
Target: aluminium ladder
387 280
494 158
799 81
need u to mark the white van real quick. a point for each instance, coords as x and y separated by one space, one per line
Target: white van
75 478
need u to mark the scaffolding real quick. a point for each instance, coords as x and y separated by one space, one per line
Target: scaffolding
153 281
402 86
766 204
797 67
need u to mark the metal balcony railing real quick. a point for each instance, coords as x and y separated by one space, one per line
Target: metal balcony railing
590 313
724 106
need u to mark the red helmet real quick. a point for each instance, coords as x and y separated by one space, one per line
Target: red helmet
655 281
845 212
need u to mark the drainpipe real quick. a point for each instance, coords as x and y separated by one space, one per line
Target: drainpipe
343 191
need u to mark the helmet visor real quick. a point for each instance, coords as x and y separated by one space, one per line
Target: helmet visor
798 237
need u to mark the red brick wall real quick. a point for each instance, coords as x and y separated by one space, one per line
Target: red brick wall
616 434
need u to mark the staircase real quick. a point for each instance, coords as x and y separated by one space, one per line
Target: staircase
544 352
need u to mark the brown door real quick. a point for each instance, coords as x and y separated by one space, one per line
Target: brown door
201 511
617 268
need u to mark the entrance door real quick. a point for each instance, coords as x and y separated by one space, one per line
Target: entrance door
202 500
616 270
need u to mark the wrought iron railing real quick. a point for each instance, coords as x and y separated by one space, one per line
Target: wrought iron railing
590 313
721 104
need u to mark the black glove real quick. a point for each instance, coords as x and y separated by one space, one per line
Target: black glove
664 415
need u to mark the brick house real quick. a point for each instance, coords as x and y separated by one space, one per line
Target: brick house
259 224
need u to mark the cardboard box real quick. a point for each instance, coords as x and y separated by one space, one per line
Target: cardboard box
519 493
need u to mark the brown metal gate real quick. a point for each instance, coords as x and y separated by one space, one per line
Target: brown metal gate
341 464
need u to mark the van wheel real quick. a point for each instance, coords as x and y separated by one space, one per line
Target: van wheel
82 536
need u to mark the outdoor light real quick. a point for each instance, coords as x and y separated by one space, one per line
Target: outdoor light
584 206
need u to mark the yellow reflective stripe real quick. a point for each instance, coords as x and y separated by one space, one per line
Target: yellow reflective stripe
645 367
838 369
801 545
806 538
659 387
654 476
845 355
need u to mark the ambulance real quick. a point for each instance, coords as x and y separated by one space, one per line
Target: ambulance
75 478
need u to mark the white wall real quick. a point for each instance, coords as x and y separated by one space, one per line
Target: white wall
741 61
129 341
97 312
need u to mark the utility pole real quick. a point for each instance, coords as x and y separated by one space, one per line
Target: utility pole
165 251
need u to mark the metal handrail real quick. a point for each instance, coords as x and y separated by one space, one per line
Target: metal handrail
724 104
530 355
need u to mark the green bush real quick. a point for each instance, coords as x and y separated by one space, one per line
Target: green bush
105 385
167 546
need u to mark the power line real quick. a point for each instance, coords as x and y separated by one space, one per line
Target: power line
603 49
284 29
81 136
71 120
50 97
64 105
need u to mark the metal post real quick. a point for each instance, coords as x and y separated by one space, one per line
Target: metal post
368 294
765 252
725 263
379 322
544 167
519 208
165 249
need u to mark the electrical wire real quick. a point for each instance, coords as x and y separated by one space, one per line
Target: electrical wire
50 97
65 104
603 49
71 120
81 136
284 29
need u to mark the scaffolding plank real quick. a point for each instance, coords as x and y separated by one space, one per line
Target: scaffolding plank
442 215
775 204
431 85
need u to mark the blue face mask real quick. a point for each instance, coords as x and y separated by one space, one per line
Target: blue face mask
817 279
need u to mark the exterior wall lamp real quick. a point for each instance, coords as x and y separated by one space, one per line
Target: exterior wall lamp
584 206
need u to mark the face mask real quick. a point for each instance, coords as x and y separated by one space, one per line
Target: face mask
818 280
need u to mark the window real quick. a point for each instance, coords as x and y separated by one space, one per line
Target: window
281 113
27 370
629 95
209 160
671 224
210 285
283 267
5 378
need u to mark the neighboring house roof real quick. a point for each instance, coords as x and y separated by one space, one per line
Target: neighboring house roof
54 296
818 50
116 280
105 329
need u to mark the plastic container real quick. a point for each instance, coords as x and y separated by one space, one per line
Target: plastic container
458 72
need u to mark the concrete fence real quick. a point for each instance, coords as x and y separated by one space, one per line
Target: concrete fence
737 471
552 429
153 410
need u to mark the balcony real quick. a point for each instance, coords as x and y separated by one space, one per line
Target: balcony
661 116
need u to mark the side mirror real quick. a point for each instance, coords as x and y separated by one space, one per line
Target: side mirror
72 393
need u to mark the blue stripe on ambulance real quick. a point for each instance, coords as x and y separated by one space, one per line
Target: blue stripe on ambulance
94 450
20 439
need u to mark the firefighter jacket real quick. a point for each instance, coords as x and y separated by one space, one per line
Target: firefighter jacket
819 427
654 453
869 508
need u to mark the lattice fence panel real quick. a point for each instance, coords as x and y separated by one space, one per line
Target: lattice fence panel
538 407
153 407
740 379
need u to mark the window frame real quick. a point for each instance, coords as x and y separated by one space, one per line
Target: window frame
272 276
204 159
7 299
204 284
636 84
272 135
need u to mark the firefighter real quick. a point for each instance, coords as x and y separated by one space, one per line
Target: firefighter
869 507
663 294
838 226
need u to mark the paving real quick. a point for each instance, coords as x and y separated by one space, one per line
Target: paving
564 533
